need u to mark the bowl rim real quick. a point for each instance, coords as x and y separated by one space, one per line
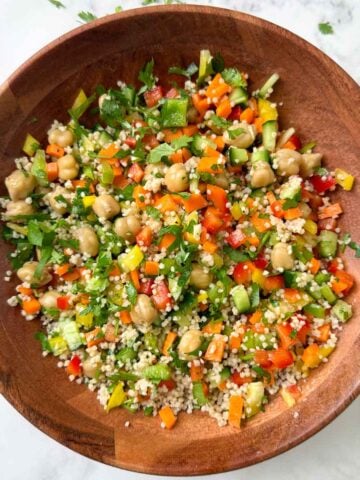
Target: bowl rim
13 395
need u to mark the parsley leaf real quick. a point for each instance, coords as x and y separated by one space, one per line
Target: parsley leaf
326 28
218 63
87 17
35 235
234 78
43 340
188 72
153 212
181 142
356 248
157 153
235 255
219 121
131 292
57 4
146 76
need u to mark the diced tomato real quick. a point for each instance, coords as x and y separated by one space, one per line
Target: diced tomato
261 262
333 265
212 222
62 303
236 238
322 183
235 113
130 142
161 296
295 140
239 380
74 367
144 237
145 287
262 358
172 93
150 141
136 173
281 358
284 331
242 273
327 224
153 96
169 384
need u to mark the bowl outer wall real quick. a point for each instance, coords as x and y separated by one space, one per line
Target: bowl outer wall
320 100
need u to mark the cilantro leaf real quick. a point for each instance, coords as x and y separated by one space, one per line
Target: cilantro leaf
185 72
157 153
43 340
234 78
356 247
181 142
87 17
217 63
146 76
326 28
131 292
153 212
219 122
235 255
35 235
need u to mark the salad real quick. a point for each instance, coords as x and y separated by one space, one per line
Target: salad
180 249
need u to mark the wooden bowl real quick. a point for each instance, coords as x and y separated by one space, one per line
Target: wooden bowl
320 99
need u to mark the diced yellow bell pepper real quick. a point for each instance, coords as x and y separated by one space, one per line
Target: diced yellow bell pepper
258 277
287 397
266 111
310 227
86 319
117 397
88 200
236 211
131 260
202 297
30 145
344 179
218 260
325 351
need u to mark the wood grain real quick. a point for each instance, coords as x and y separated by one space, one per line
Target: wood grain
320 100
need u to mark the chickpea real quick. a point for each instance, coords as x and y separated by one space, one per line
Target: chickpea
176 178
68 167
262 175
19 185
63 138
288 162
309 162
20 207
244 138
49 299
190 341
127 227
26 274
88 240
199 278
91 367
281 258
105 206
143 312
57 205
221 180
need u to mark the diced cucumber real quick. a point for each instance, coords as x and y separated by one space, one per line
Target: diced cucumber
327 243
30 145
160 371
269 133
238 95
175 288
328 294
270 82
238 156
198 394
241 298
70 331
260 155
253 398
291 279
315 310
205 67
342 310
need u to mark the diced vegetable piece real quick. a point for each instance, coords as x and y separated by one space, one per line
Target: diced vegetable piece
342 310
266 89
315 310
238 156
266 110
199 394
160 371
70 332
344 179
31 145
130 261
38 168
253 398
58 345
204 64
173 112
167 417
269 132
327 243
117 397
236 406
241 299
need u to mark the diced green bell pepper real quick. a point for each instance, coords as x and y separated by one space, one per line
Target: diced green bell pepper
315 310
173 112
198 394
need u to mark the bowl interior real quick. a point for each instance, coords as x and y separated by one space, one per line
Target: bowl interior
318 99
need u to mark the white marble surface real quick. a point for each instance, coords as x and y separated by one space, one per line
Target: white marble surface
28 454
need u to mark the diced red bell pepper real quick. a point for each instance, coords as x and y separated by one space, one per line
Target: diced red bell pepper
62 303
238 379
172 93
74 367
303 332
261 262
322 183
236 238
136 173
169 384
153 96
235 113
242 273
295 140
212 222
333 265
262 358
150 141
217 196
161 296
281 358
130 142
284 332
277 209
144 237
145 287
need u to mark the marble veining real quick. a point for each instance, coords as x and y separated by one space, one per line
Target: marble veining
28 454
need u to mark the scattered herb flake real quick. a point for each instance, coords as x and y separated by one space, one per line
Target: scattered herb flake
326 28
